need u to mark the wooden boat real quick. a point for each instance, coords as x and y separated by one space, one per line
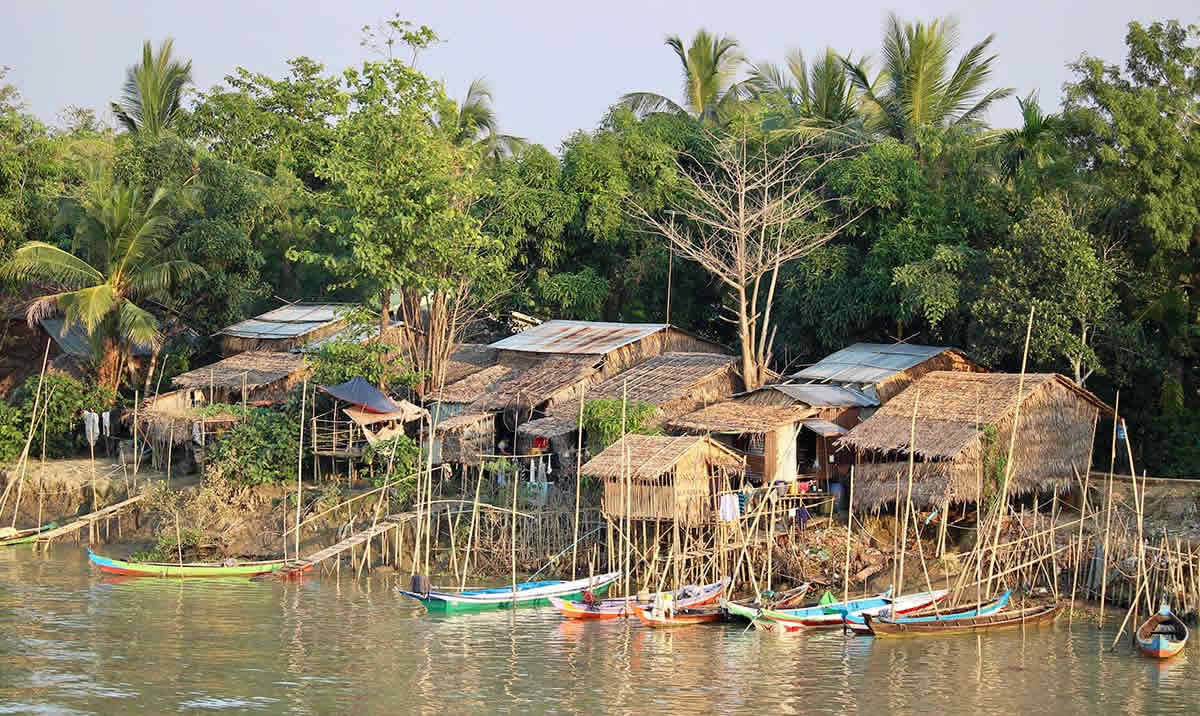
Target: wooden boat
193 569
790 599
1030 616
678 617
857 623
27 535
824 616
527 594
686 598
1162 635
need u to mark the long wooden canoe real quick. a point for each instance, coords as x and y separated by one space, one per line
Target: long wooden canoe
858 623
824 616
1163 635
527 594
27 535
678 617
1030 616
606 609
193 569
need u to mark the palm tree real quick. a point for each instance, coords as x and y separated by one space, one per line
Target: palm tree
153 89
919 88
473 121
1035 142
120 257
818 95
710 64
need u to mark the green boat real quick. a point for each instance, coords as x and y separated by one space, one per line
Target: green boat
26 536
527 594
164 569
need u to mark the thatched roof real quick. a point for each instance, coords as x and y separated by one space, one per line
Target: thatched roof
474 385
951 408
550 427
737 416
663 378
468 359
537 384
259 368
463 422
407 412
649 456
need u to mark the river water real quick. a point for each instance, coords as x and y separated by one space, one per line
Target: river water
73 641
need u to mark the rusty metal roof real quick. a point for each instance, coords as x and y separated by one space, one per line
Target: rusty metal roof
287 321
585 337
869 362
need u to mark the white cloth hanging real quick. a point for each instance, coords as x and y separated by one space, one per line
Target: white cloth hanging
728 508
105 423
91 426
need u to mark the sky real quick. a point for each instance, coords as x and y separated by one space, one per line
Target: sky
554 67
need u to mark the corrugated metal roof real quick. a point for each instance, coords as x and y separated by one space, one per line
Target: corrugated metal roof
287 321
586 337
825 428
869 362
827 396
363 334
73 340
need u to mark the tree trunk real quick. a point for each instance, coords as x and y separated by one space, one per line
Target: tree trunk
109 374
150 371
385 318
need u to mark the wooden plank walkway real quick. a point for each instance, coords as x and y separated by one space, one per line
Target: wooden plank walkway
88 519
303 565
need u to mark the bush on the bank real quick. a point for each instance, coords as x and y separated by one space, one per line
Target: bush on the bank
258 451
400 451
64 400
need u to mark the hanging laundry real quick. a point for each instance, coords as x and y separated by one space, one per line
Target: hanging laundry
105 423
91 426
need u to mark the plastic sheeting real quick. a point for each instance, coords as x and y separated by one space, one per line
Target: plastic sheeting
361 393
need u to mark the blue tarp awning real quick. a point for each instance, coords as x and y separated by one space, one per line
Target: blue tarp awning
363 394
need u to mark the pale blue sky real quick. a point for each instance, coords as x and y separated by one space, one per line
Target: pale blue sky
554 66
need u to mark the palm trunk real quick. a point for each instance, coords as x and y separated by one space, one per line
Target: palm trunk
109 374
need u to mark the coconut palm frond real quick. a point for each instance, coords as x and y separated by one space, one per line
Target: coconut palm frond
153 91
135 325
39 260
157 280
643 103
89 306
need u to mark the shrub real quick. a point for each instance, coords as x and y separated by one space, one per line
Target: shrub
260 450
64 399
602 422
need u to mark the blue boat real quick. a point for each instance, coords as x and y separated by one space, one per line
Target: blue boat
858 624
527 594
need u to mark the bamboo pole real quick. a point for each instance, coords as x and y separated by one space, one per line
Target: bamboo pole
849 530
578 483
300 465
625 482
24 459
912 450
1002 505
1112 463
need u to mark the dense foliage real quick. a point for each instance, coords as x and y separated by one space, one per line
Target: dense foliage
262 449
373 185
60 416
603 421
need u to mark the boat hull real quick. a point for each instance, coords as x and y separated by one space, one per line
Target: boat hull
1030 616
610 609
1162 636
679 619
857 623
27 536
833 615
534 594
148 569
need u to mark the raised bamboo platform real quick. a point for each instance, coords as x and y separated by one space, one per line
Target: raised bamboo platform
299 566
89 520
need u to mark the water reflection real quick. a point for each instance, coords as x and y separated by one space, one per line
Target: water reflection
71 640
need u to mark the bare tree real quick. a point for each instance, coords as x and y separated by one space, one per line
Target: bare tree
743 215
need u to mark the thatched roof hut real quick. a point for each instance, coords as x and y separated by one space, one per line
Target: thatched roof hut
555 436
964 423
538 384
671 478
265 376
883 370
675 383
464 439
